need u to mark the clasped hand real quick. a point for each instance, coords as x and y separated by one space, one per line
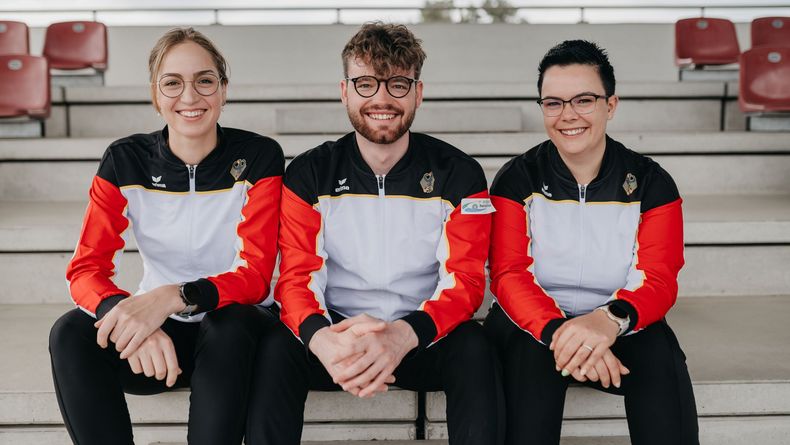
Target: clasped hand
134 319
582 349
362 352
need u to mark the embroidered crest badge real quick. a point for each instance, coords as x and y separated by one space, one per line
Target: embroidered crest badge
629 185
427 182
237 168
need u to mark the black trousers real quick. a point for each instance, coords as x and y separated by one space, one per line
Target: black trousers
659 401
215 355
462 365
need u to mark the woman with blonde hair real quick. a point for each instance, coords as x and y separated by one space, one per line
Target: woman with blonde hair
203 204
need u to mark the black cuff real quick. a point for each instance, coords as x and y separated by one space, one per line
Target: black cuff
423 326
629 308
107 304
203 293
550 328
309 327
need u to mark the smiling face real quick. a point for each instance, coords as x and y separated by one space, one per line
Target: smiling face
190 115
381 119
578 136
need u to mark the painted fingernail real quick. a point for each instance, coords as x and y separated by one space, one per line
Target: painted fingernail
616 385
565 373
583 372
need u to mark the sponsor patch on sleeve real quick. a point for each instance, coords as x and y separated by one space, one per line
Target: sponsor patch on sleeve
476 206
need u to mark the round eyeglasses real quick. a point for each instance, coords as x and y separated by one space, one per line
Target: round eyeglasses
368 86
172 86
581 104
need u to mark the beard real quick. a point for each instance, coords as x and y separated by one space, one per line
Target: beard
381 136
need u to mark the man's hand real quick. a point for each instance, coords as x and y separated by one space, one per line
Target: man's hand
337 350
156 357
134 319
384 351
582 341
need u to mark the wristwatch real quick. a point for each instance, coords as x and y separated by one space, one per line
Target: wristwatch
623 320
190 308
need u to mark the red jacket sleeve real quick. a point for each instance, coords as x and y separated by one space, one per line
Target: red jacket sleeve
512 280
462 253
300 289
652 286
100 246
249 279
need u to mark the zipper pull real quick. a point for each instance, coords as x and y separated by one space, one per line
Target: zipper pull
191 171
582 192
381 181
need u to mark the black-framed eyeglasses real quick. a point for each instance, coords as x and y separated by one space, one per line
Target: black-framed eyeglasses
581 104
368 86
172 85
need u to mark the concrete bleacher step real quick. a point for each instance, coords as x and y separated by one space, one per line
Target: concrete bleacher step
30 226
731 271
612 440
768 430
489 144
313 434
453 106
703 114
731 174
732 392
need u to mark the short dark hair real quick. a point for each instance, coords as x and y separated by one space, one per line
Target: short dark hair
581 52
384 47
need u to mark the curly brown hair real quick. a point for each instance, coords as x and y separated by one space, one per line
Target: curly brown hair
385 46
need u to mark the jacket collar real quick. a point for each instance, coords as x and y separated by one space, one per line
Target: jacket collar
561 170
168 155
401 166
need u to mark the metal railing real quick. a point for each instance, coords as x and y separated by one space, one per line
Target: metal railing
453 12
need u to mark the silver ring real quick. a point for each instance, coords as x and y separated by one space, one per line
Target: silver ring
588 347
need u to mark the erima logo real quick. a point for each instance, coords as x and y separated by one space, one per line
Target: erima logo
342 187
545 190
476 206
156 183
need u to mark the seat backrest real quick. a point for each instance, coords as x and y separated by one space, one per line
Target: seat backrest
14 38
76 45
24 86
705 41
771 31
764 84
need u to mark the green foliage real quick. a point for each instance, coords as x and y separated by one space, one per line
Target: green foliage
493 11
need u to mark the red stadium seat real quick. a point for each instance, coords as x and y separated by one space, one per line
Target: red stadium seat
705 41
76 45
24 86
764 85
13 38
773 31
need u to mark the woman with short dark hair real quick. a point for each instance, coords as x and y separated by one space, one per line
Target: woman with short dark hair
586 246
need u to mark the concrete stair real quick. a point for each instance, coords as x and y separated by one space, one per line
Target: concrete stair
449 107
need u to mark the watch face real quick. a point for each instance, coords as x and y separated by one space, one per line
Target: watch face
617 311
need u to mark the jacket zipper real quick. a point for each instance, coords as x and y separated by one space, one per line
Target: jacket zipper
382 232
192 188
582 201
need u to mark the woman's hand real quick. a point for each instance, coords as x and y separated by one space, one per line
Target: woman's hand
132 320
583 341
607 370
156 357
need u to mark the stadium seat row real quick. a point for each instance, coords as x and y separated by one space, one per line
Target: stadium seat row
25 85
764 78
